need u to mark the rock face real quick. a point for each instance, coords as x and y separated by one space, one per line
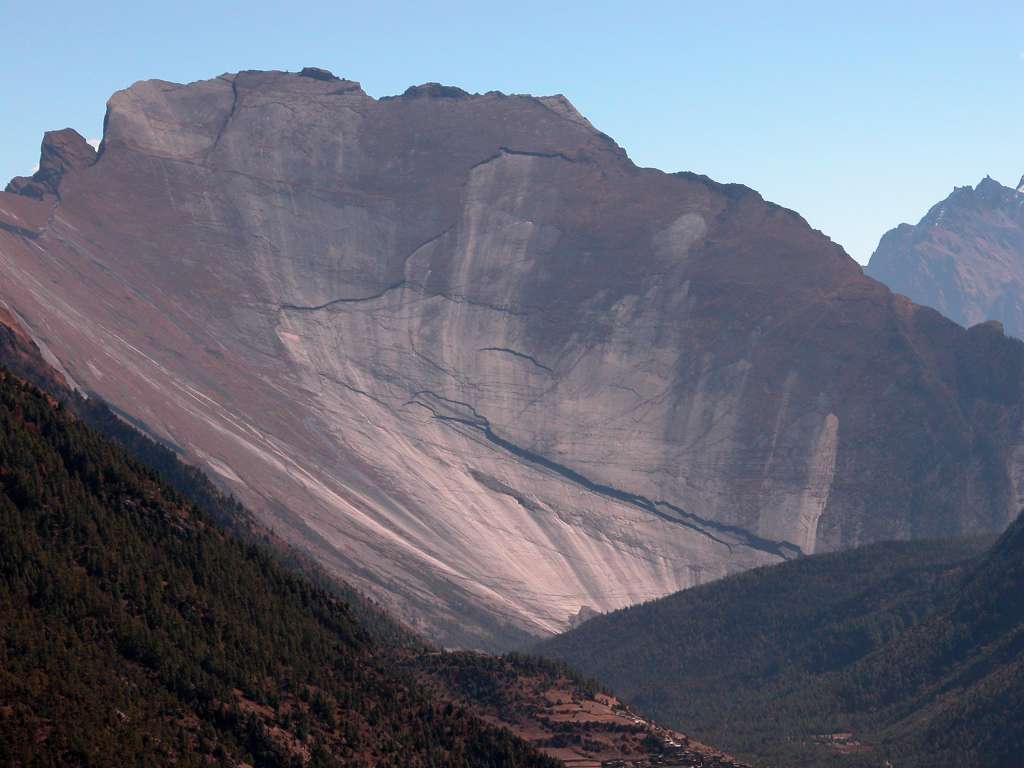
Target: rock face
61 152
22 357
965 258
474 359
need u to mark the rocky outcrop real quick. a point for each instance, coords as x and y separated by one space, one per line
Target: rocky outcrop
20 355
470 356
62 151
965 258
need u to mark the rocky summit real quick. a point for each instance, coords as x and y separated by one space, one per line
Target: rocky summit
470 356
965 257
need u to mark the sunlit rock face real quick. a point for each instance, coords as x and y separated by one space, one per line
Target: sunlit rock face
20 356
483 366
965 258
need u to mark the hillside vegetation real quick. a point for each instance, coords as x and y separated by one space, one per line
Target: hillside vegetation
906 652
134 631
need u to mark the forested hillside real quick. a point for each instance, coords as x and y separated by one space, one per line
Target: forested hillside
133 631
907 652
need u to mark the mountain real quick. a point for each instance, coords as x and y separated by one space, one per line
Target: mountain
474 360
965 258
133 631
909 653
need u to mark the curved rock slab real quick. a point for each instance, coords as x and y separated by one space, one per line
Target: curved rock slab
474 359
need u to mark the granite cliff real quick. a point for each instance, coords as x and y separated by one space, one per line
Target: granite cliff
474 359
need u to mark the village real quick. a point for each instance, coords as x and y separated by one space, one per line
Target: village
564 716
684 757
676 751
649 744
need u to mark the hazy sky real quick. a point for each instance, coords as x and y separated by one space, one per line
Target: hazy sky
858 118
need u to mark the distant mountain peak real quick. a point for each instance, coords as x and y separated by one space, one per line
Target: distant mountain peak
965 257
990 188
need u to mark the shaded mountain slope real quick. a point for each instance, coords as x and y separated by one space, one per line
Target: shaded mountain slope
907 652
475 361
965 258
134 632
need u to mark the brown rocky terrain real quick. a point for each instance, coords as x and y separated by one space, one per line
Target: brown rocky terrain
475 360
965 258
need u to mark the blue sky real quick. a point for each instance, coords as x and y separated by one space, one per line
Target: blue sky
859 118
